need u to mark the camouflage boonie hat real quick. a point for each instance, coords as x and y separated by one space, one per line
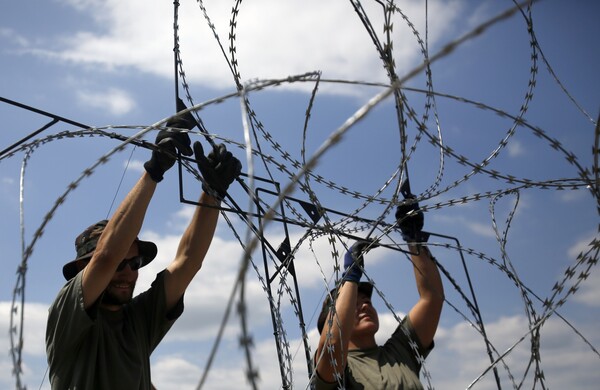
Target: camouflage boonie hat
86 242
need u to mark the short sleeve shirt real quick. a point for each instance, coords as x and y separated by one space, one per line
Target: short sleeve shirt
394 365
103 349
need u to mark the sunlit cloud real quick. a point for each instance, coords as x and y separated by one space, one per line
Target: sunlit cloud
573 196
458 358
112 100
121 39
13 37
589 290
134 165
515 148
475 227
324 36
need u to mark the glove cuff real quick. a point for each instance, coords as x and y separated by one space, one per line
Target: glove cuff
353 274
153 169
214 193
418 237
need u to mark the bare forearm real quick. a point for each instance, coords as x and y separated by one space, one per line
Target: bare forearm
427 275
126 223
425 314
116 239
335 338
198 236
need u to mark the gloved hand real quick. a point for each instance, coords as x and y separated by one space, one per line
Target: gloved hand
169 142
219 169
354 261
410 220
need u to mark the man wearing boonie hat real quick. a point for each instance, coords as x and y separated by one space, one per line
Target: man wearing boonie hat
347 356
98 335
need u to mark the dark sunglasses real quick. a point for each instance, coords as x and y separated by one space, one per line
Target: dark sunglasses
134 263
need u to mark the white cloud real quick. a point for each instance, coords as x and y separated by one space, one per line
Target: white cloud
589 290
515 148
458 358
480 229
113 100
477 228
208 293
7 187
137 36
460 355
581 246
292 37
573 195
34 329
171 369
14 37
134 165
34 351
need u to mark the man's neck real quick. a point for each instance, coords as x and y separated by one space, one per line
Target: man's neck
366 342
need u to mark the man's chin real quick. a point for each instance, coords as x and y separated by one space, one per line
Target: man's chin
117 298
368 324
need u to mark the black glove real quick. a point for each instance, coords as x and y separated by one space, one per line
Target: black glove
169 142
410 220
354 261
219 169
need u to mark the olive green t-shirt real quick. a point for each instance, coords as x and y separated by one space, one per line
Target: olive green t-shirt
394 365
102 349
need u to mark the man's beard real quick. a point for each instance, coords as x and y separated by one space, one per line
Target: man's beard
108 298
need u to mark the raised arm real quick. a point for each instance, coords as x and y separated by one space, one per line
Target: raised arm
124 226
332 351
116 239
337 331
218 170
425 314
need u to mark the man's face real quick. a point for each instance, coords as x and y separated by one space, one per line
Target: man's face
120 289
366 319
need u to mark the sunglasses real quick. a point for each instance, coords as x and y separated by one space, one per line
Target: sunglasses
134 263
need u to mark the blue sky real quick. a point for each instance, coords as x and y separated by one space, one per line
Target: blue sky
109 64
